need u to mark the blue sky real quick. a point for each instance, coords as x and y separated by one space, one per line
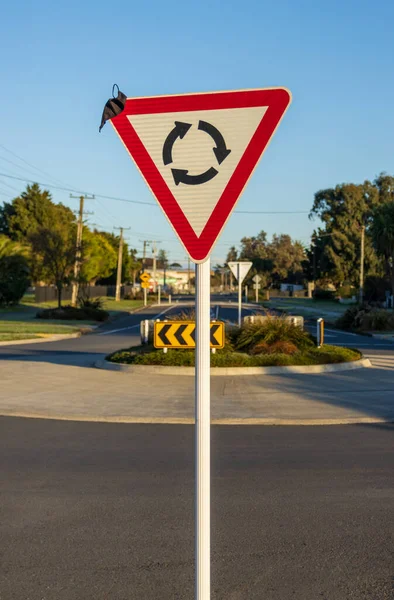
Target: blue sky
60 59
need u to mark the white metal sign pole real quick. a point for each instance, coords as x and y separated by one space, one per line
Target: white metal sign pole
239 294
203 426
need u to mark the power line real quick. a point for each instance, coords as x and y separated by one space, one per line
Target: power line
118 199
30 165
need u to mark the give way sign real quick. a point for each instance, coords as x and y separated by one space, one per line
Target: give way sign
197 152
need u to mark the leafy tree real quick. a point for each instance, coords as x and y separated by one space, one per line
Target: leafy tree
278 260
382 230
175 265
114 240
31 211
343 210
135 265
99 258
55 248
287 259
232 254
162 262
14 271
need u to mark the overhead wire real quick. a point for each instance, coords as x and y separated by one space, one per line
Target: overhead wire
128 200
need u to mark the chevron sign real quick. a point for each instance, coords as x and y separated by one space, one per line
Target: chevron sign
181 334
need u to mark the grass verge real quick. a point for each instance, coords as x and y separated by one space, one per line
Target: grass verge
147 355
11 337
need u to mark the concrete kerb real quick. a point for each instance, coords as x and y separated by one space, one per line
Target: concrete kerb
278 422
226 371
41 340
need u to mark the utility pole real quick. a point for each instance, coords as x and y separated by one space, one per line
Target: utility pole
154 250
120 261
78 249
362 264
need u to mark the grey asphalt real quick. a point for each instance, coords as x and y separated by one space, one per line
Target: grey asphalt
57 380
100 512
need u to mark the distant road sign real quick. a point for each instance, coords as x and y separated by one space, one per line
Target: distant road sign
145 285
145 277
257 278
240 269
181 334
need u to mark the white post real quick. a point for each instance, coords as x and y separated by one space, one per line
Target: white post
202 410
246 294
239 295
257 292
158 294
145 297
169 298
146 331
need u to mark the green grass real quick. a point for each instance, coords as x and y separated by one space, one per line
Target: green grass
8 337
144 355
19 322
308 307
38 327
28 305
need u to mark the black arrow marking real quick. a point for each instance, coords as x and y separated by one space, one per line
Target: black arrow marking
179 131
221 151
182 176
214 341
163 335
178 334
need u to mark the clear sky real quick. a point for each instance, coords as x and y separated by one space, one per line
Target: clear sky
60 59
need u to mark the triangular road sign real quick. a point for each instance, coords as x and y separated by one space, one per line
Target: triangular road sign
197 152
240 269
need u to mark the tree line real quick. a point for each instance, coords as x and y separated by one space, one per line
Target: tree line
38 244
333 256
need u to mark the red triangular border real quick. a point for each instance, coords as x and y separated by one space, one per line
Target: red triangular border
276 99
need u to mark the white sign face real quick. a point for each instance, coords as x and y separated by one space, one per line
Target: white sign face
240 269
195 174
197 153
257 278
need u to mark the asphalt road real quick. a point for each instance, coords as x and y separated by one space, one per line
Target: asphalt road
98 512
124 332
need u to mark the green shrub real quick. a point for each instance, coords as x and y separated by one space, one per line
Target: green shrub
375 288
322 294
347 291
95 303
274 329
366 318
14 279
71 313
185 358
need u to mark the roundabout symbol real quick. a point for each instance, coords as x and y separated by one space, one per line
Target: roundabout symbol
182 175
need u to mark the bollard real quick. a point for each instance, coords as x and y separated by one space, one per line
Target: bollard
320 332
159 295
169 298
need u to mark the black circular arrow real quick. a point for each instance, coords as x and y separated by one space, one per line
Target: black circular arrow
179 131
221 151
182 176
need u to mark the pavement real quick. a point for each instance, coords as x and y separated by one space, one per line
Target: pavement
57 380
99 511
105 511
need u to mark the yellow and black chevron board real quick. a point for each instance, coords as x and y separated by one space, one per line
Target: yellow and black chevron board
181 334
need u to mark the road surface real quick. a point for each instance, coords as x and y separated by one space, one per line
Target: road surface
99 512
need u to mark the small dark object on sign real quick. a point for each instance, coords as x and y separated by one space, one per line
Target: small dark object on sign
113 107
